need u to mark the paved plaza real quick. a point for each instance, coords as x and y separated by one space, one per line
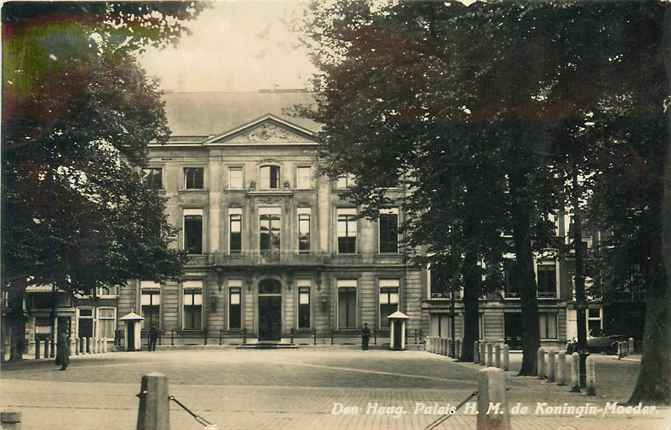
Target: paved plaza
307 388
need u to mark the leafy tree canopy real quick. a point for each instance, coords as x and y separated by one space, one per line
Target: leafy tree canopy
78 114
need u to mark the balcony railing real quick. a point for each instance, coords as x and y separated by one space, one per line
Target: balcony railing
293 258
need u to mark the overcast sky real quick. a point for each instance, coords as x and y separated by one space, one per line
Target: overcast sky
236 46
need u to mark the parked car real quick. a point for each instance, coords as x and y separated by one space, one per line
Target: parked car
605 343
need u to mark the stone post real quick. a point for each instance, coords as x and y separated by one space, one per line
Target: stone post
10 420
493 413
550 367
73 347
591 376
631 345
37 349
497 355
490 354
540 363
483 353
450 347
457 347
476 352
506 357
575 372
87 345
77 344
154 411
47 343
620 350
561 368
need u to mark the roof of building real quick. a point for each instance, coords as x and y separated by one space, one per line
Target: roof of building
192 114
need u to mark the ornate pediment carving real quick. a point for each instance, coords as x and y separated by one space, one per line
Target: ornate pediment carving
266 132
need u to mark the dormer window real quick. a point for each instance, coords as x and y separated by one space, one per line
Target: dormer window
270 177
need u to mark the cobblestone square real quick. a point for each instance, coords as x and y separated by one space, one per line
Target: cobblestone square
307 388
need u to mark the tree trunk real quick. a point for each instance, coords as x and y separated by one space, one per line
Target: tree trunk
471 305
653 385
524 267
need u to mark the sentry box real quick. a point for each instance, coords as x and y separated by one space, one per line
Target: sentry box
397 322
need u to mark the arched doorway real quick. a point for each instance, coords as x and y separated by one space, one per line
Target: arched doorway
270 310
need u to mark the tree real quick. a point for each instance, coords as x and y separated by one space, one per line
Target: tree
433 93
78 114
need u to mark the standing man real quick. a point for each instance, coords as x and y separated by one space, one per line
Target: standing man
153 337
63 352
365 337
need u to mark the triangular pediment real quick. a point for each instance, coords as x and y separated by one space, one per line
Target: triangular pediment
267 130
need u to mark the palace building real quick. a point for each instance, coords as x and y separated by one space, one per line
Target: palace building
274 249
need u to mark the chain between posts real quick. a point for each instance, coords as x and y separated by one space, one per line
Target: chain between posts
199 419
443 418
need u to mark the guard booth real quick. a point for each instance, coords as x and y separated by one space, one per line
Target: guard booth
397 323
132 331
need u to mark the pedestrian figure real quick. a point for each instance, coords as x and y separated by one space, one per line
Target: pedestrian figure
365 337
153 337
63 352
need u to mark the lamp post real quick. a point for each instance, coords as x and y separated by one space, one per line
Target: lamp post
579 277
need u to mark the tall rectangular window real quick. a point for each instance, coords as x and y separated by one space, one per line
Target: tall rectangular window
347 304
510 284
235 178
234 305
388 225
193 231
547 280
192 305
235 230
304 230
304 304
345 181
347 231
194 178
85 322
153 177
269 230
303 178
151 303
548 325
106 322
270 177
388 300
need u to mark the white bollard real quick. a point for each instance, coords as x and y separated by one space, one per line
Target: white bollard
561 368
591 376
540 363
104 345
575 372
497 355
550 367
493 412
630 342
483 353
506 357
